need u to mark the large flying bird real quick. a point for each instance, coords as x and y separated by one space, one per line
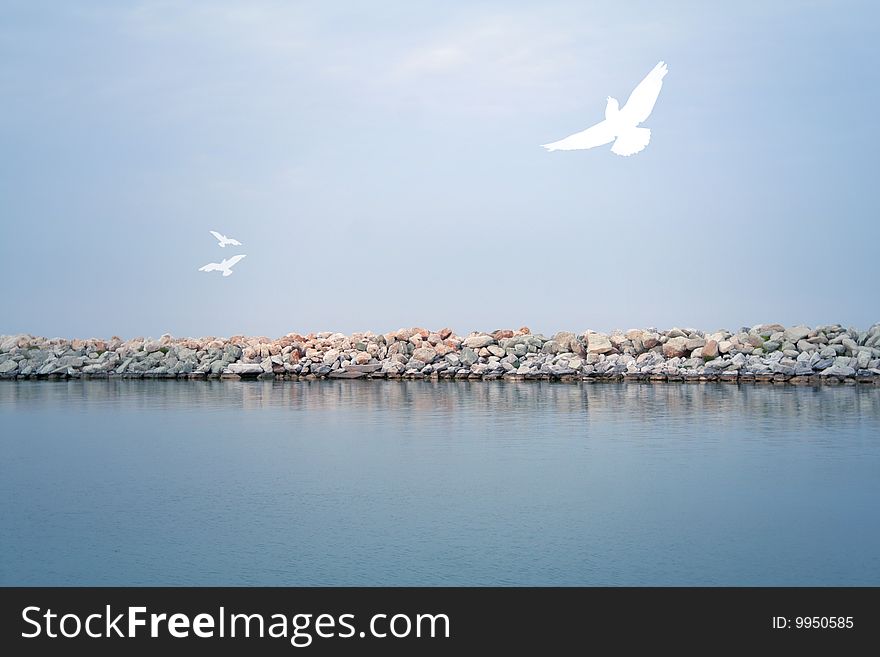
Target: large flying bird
620 124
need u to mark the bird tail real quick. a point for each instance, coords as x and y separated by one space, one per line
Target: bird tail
227 272
631 141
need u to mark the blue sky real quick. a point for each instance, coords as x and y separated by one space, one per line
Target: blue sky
381 164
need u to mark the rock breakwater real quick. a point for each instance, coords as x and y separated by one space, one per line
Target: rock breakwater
766 353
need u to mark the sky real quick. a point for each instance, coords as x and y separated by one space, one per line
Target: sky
381 164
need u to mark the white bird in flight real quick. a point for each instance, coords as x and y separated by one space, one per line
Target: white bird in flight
225 266
222 240
620 124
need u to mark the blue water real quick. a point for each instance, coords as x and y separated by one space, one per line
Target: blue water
437 483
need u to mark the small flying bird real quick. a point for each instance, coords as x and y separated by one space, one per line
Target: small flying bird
223 241
620 124
225 266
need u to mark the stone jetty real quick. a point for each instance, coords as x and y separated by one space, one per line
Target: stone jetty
766 353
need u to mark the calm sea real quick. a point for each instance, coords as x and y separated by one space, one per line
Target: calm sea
437 483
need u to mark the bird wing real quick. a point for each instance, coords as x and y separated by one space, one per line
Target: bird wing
229 262
641 101
233 242
211 266
596 135
218 236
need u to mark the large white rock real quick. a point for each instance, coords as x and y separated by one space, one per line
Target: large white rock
796 333
710 349
244 368
598 343
675 347
478 341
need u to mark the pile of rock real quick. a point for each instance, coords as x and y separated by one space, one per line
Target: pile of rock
763 353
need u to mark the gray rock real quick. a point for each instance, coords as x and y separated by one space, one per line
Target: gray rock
47 368
850 345
478 341
37 357
61 365
779 368
838 370
185 353
366 369
8 366
796 333
244 368
550 347
393 367
346 374
695 343
495 350
468 356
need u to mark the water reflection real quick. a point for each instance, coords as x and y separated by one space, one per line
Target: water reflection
417 402
127 482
